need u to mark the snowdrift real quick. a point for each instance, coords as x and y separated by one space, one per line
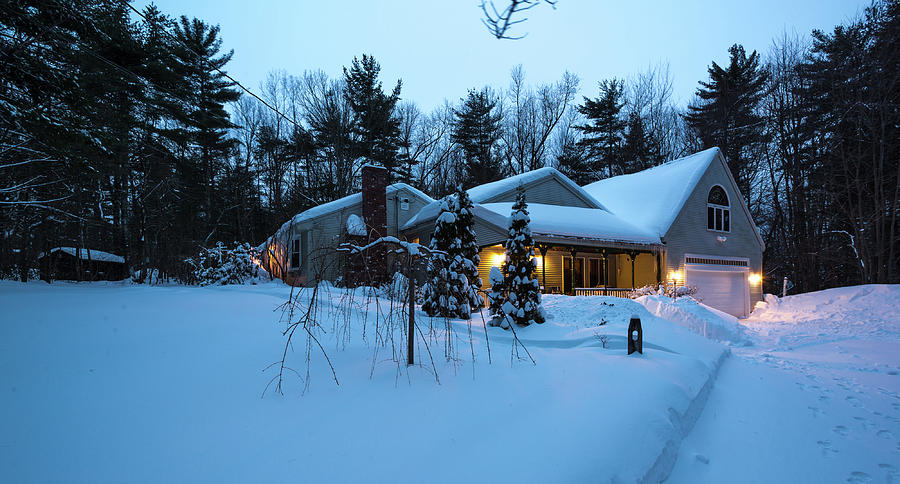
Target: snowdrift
699 318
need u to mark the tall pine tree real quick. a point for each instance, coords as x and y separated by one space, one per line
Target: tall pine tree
468 246
207 122
603 135
476 129
637 153
726 114
523 292
375 122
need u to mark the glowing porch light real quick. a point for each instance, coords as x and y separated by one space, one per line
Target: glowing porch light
754 278
497 258
538 260
675 275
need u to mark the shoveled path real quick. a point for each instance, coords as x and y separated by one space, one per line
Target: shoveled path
816 399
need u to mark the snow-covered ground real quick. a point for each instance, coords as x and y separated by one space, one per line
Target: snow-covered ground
816 399
109 382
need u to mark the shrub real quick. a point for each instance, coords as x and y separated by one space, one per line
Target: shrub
669 290
220 265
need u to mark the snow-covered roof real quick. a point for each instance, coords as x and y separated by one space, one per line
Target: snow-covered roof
483 193
89 254
345 202
577 222
651 199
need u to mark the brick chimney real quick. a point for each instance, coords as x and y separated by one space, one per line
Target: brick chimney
374 200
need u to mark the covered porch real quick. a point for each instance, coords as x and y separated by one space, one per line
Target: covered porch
585 268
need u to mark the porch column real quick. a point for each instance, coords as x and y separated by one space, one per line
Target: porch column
573 251
658 268
632 255
543 248
605 271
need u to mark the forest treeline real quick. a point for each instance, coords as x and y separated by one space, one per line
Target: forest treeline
120 131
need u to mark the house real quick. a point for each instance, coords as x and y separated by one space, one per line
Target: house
76 264
682 222
303 246
693 204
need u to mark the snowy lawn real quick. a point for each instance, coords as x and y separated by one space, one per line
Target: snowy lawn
107 382
816 399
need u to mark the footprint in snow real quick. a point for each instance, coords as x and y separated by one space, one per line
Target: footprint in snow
891 471
884 434
827 449
824 398
841 430
853 401
815 410
859 477
701 458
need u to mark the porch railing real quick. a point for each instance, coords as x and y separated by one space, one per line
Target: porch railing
602 291
579 291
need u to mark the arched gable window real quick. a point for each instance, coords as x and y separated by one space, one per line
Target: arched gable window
718 215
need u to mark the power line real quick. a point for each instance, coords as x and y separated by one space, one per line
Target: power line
220 71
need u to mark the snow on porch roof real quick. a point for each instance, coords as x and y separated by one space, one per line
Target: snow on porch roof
651 199
576 222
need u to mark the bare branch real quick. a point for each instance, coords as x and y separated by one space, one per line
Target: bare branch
498 22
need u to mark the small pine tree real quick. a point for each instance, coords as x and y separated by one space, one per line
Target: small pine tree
496 296
468 250
523 295
447 289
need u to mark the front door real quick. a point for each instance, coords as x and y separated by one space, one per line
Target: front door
571 276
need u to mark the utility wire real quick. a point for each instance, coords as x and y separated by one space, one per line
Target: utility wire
225 74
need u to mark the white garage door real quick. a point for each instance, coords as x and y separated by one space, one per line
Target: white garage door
724 289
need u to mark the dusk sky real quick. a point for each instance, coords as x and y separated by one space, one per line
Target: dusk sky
441 49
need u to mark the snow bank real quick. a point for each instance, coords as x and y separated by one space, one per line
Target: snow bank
815 399
867 311
133 380
699 318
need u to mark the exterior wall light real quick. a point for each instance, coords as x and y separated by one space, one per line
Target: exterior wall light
754 278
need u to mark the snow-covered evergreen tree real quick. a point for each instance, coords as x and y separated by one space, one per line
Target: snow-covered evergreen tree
468 249
496 296
447 287
449 291
523 296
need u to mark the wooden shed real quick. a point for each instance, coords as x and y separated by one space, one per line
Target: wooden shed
76 264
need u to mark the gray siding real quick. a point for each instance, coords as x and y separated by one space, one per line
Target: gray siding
548 190
485 234
325 232
689 235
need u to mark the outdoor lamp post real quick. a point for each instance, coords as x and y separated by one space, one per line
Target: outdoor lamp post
635 335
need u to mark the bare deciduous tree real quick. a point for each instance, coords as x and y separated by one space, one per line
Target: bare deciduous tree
532 115
498 22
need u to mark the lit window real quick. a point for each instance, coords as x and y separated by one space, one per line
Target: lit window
718 215
295 254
